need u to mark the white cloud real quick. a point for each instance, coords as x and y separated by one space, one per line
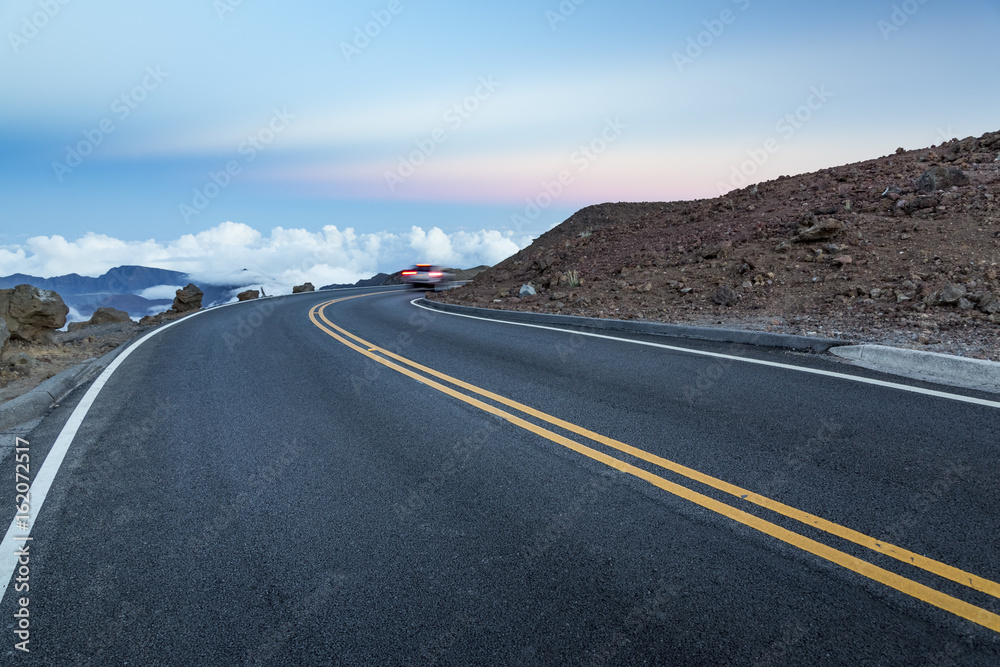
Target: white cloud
236 254
160 292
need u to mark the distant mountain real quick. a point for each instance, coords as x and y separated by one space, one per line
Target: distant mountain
119 280
117 288
375 281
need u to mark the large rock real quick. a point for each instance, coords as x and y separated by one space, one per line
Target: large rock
32 314
248 295
825 229
305 287
952 293
941 178
103 315
990 303
526 290
187 299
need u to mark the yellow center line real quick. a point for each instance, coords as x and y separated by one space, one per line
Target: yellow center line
931 596
904 555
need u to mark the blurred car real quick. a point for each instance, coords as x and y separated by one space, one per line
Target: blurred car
427 276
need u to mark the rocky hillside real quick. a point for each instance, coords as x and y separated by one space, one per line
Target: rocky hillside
903 249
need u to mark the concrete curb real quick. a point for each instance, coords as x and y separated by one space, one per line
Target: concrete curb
760 338
39 400
927 366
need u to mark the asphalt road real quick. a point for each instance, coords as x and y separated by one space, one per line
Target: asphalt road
255 486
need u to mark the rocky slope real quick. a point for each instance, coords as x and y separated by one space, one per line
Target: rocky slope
903 249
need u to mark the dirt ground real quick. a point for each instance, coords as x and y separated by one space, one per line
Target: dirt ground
901 250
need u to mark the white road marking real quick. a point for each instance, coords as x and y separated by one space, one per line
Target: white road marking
717 355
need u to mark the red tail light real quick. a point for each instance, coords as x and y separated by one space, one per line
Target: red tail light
409 273
435 274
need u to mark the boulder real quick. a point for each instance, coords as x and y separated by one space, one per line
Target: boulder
248 295
825 229
103 315
941 178
952 293
32 314
990 303
187 299
305 287
725 296
526 290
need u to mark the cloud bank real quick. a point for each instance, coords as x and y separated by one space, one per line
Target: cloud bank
236 254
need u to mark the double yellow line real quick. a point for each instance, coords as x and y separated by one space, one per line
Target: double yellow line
912 588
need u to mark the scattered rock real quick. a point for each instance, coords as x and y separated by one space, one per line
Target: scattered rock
24 363
187 299
842 260
557 296
32 314
526 290
304 287
725 296
248 295
952 293
820 231
989 303
965 304
716 252
940 178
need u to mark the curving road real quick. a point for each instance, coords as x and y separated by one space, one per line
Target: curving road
345 478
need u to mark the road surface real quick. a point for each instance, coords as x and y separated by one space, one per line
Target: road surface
345 478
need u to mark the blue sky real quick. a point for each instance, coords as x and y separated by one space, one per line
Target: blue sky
281 136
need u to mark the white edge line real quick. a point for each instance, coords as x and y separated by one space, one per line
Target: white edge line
718 355
17 538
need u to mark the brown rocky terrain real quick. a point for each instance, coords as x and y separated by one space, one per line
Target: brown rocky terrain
901 250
